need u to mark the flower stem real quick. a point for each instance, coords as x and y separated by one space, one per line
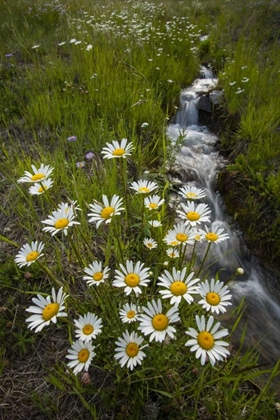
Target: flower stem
204 259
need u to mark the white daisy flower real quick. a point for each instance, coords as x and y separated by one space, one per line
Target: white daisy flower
129 313
96 275
60 219
180 234
213 234
117 149
192 193
155 223
73 205
143 186
215 296
104 213
178 287
88 326
29 253
194 215
46 311
172 253
157 323
40 187
131 277
153 202
150 243
129 351
205 341
40 174
81 354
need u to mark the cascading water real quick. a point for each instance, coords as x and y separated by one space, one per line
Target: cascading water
197 163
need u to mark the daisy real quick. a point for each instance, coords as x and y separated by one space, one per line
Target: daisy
215 234
215 296
156 323
60 219
150 243
177 286
117 149
128 350
155 223
73 205
104 212
205 341
153 202
143 186
81 354
40 187
131 277
194 215
29 253
192 193
42 173
96 275
88 326
172 253
129 313
181 234
46 311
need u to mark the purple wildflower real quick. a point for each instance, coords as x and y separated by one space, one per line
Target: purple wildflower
89 155
81 164
72 138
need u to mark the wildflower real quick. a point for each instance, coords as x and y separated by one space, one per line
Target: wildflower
131 277
96 275
172 253
46 311
205 341
181 234
156 323
194 215
43 172
145 124
72 138
150 243
155 223
72 41
129 313
143 186
89 47
215 296
153 202
89 155
9 55
60 219
40 187
129 351
117 149
240 271
214 235
81 354
61 43
72 205
28 254
35 46
81 164
192 193
177 286
104 213
87 326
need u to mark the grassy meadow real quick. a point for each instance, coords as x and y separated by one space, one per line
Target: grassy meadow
87 91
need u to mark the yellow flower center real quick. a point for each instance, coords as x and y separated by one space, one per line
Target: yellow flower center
211 236
174 243
83 355
88 329
107 212
149 245
132 280
193 216
118 152
50 311
130 314
98 276
197 237
37 177
191 195
132 349
153 205
61 223
178 288
160 322
213 298
144 189
32 256
205 340
181 237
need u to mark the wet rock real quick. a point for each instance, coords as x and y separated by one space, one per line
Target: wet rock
215 97
204 104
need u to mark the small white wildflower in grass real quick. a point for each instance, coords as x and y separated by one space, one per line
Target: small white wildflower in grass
95 274
143 186
172 253
60 220
61 43
104 213
194 215
157 324
213 234
205 342
170 81
45 310
215 296
35 47
28 254
150 243
232 83
192 193
178 286
81 354
240 271
129 351
129 313
72 41
40 187
117 149
145 124
40 174
88 326
155 223
153 202
131 277
180 234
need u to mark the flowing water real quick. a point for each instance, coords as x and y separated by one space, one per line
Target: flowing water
197 163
